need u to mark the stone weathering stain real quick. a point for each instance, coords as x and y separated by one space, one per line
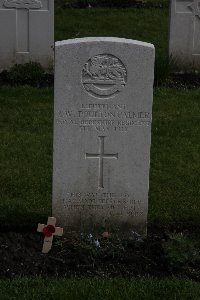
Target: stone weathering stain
102 134
29 24
184 44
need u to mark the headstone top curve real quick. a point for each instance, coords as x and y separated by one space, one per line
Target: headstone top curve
103 39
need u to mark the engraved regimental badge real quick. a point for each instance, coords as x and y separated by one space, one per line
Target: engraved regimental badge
104 76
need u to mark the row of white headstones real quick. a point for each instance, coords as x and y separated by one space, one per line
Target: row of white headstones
28 16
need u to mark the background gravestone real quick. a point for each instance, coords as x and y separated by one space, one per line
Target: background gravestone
26 32
102 129
184 45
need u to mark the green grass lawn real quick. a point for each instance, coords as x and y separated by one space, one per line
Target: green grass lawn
174 177
145 24
26 153
95 289
26 156
148 25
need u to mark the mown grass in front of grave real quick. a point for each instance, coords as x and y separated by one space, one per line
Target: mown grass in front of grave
174 177
99 289
26 156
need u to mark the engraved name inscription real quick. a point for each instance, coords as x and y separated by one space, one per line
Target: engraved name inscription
103 118
104 76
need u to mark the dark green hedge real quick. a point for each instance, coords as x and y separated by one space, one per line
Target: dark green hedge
108 3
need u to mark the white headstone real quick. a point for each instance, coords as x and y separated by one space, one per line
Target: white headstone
184 44
102 133
26 32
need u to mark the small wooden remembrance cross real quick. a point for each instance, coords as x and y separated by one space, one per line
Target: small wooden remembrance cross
49 231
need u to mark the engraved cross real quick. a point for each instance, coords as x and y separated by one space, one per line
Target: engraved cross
22 8
194 9
101 155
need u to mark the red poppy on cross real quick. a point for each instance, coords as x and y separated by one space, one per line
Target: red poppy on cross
49 231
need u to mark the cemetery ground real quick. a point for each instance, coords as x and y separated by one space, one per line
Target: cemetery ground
165 265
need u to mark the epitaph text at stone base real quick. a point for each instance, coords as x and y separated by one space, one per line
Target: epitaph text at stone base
102 134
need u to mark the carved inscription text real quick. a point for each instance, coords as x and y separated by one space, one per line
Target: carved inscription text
103 118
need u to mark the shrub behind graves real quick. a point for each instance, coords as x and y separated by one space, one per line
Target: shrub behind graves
162 69
110 3
182 252
28 73
97 3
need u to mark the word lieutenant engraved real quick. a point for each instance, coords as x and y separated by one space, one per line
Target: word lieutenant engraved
101 155
104 76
